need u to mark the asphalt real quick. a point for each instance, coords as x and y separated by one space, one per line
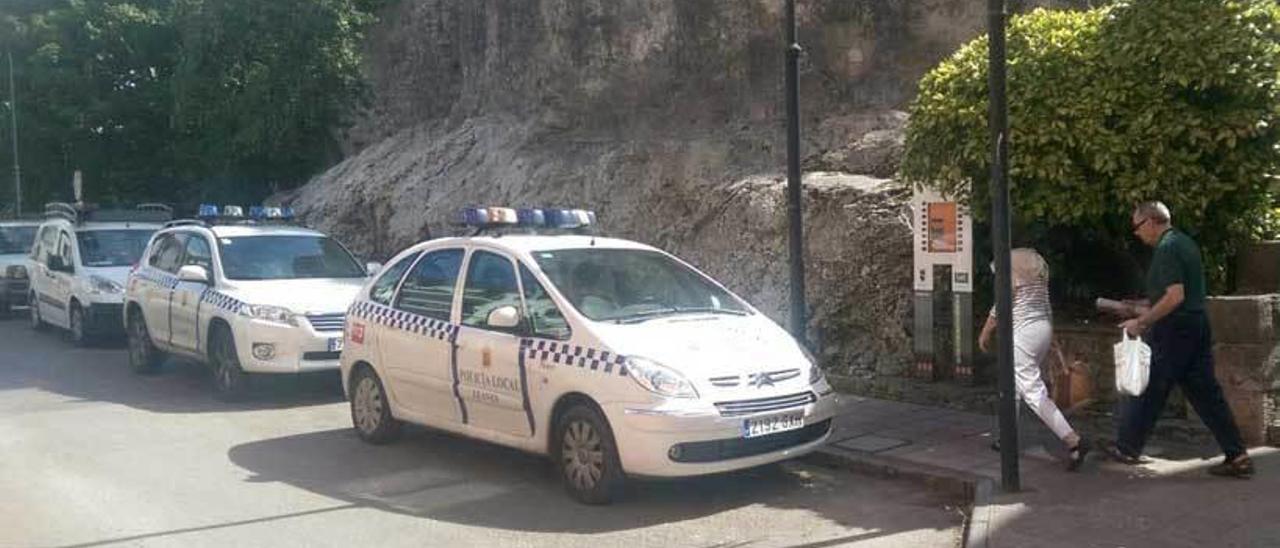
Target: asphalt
92 455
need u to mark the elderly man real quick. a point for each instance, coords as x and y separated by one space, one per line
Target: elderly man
1181 346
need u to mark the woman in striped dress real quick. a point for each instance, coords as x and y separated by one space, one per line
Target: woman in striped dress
1032 337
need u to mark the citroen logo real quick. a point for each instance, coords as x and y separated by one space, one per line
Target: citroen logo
761 380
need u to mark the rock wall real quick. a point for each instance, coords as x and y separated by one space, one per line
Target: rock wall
666 118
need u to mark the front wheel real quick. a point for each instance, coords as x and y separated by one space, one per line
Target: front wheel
587 456
144 357
33 305
79 336
370 409
230 382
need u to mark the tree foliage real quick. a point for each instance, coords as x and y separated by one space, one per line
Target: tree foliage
180 100
1175 100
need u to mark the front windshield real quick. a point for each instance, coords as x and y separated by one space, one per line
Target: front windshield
16 239
286 257
632 285
106 248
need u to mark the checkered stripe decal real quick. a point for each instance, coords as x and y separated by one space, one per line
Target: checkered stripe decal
158 277
221 300
404 321
573 355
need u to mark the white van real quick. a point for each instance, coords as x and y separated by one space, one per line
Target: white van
79 263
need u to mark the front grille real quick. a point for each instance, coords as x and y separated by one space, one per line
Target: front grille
320 356
762 405
736 448
724 382
327 322
763 378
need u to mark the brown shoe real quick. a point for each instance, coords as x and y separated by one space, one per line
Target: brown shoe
1241 467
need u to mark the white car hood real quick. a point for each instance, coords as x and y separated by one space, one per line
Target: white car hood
318 296
706 346
117 274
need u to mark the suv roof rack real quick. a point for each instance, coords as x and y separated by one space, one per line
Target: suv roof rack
83 213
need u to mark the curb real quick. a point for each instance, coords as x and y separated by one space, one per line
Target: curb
976 489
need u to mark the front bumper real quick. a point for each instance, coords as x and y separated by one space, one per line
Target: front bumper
14 291
294 349
104 318
708 442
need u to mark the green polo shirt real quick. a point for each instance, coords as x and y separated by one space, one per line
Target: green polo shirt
1177 261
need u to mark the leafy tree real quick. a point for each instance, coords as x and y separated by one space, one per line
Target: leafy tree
181 100
1145 99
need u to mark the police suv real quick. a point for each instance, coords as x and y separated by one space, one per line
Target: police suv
612 357
79 262
244 296
16 236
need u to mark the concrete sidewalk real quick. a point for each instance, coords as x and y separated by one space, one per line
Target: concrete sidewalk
1170 502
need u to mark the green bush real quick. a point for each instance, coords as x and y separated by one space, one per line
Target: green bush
1175 100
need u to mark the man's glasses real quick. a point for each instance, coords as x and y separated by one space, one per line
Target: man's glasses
1138 226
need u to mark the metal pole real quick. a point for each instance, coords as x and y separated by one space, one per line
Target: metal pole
13 119
794 195
1001 246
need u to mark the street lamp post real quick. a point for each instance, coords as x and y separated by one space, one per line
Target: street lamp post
794 195
13 124
1001 246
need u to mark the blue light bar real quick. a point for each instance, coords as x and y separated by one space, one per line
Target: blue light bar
233 212
569 218
286 213
207 211
257 212
531 217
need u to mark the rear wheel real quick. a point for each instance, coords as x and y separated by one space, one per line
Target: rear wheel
370 409
587 456
144 357
33 305
230 383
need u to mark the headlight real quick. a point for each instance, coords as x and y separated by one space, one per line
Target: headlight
659 379
16 272
815 371
269 313
98 284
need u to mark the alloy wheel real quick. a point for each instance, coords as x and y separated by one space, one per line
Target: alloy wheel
367 405
583 455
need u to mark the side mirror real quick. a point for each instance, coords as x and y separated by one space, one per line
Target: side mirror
372 267
58 264
504 317
193 273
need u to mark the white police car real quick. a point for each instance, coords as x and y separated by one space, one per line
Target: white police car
612 357
242 296
16 236
79 262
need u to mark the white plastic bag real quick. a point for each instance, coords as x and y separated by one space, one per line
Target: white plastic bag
1133 365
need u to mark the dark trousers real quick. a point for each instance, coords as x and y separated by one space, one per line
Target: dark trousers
1181 355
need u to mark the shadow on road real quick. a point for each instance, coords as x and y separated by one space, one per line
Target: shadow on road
46 361
443 477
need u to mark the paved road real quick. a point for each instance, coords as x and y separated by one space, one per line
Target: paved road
91 455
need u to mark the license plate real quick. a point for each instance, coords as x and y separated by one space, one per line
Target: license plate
335 345
764 426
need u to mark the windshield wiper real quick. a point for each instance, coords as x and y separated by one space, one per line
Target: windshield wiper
673 311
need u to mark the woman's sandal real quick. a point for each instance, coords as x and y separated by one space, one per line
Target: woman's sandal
1077 455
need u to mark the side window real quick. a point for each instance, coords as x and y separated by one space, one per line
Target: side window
64 248
198 253
491 283
428 290
384 289
167 253
48 242
541 313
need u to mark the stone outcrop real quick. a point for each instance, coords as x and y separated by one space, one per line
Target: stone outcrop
666 118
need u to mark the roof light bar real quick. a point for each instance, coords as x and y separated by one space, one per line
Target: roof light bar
491 217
